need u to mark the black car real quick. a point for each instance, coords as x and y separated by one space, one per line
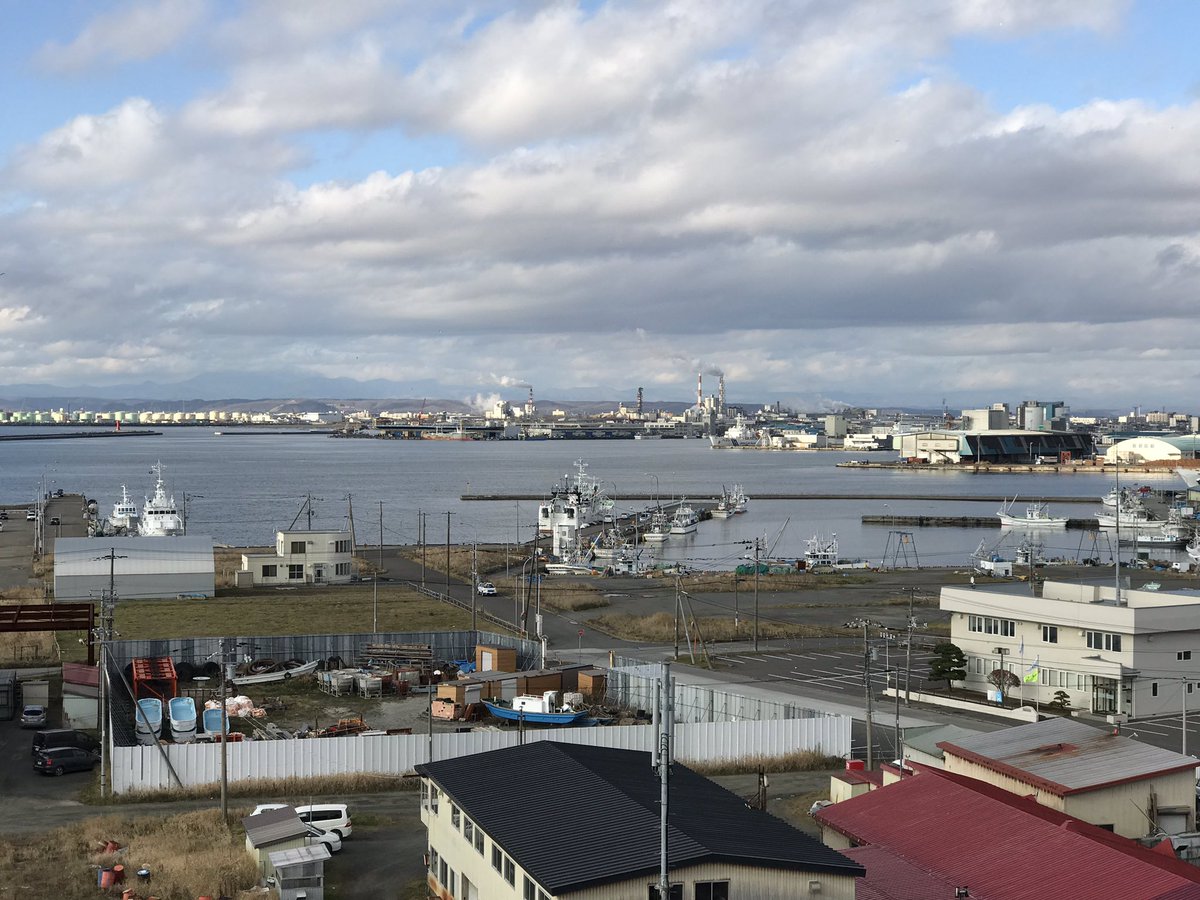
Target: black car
58 760
64 737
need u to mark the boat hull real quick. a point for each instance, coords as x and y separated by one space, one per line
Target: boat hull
183 719
148 720
283 675
534 718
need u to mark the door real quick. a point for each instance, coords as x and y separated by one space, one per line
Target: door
1104 695
318 573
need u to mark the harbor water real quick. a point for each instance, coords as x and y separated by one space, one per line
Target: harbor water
242 488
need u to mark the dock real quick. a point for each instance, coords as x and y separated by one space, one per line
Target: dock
67 435
964 498
964 522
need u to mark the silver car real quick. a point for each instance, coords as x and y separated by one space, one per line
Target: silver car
33 717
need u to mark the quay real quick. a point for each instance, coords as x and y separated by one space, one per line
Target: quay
963 522
965 498
111 433
986 468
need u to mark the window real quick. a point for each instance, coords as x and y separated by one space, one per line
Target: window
987 625
342 568
1154 689
510 871
296 573
455 816
497 858
298 547
479 841
433 862
1185 654
1050 634
712 890
433 798
528 889
468 829
270 571
1104 640
444 872
341 546
1189 684
676 892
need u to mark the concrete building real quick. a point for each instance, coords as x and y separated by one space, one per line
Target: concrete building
987 419
1153 448
303 557
139 568
550 821
1007 446
1131 655
1132 789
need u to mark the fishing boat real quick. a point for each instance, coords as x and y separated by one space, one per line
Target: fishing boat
576 502
659 530
212 721
824 553
610 544
685 519
183 719
159 516
1037 515
149 720
739 499
1132 516
282 674
1165 536
725 505
124 517
535 710
573 563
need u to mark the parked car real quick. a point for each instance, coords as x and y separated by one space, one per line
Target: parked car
334 817
64 737
486 587
33 717
54 520
3 513
30 515
60 760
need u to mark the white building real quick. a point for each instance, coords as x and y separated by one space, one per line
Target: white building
303 557
1151 448
1136 655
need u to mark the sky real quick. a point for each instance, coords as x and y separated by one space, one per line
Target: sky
829 201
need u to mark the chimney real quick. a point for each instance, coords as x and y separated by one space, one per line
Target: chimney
721 396
639 402
699 390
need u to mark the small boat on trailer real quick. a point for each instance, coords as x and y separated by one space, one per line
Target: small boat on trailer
183 719
282 674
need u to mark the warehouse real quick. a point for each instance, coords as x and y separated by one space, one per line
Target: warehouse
137 568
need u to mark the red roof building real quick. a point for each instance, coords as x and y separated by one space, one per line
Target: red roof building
961 833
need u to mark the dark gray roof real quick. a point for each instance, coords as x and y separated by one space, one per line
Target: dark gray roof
274 825
1065 756
572 815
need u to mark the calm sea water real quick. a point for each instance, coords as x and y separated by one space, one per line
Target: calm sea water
242 488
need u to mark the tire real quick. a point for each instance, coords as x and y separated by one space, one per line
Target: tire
59 770
337 831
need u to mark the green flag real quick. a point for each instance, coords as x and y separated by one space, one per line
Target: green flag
1031 674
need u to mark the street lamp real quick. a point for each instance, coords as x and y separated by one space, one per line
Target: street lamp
655 477
436 673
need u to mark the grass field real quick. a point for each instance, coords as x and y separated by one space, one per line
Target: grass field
28 648
660 628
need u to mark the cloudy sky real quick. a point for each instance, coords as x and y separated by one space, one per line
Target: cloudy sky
860 201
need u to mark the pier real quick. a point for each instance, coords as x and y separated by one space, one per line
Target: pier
964 498
113 433
965 522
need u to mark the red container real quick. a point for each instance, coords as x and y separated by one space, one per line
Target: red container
855 765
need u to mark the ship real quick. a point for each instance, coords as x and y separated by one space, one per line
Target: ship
577 503
685 519
124 517
1037 515
159 516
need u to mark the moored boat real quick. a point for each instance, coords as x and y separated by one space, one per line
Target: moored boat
1037 515
659 530
124 517
282 674
685 519
159 516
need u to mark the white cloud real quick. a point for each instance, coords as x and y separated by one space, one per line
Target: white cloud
135 31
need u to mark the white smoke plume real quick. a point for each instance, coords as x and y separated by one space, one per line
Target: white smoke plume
508 381
706 368
481 402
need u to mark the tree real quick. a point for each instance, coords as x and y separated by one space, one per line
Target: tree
949 664
1003 680
1061 702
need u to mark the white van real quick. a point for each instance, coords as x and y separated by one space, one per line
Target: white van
332 817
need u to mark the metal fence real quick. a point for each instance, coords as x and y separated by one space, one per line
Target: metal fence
633 687
148 768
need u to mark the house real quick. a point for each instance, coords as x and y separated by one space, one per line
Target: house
549 821
1120 784
940 834
302 557
1129 655
270 831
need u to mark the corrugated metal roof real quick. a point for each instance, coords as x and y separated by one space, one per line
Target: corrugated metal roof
1065 756
298 856
274 825
1004 847
134 556
925 738
572 815
891 878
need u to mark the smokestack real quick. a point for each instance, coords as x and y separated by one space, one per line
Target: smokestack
699 390
529 407
721 396
639 402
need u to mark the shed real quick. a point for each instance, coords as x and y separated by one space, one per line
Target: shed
495 659
271 831
300 872
139 567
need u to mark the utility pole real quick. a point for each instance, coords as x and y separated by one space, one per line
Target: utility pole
474 580
664 740
676 616
865 624
375 580
224 742
447 553
107 613
912 623
756 545
421 539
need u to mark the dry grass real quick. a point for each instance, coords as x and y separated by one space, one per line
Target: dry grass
488 560
573 597
723 582
799 761
660 628
304 788
29 648
190 855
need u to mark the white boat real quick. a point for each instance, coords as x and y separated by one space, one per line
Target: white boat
573 563
725 505
685 519
659 530
1165 536
159 516
576 503
1037 515
737 435
183 719
279 675
124 517
1193 548
611 544
1135 519
822 553
739 499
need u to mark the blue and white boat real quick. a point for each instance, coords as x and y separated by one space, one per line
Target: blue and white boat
183 719
534 710
149 720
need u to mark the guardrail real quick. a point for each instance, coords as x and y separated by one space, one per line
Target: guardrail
463 604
